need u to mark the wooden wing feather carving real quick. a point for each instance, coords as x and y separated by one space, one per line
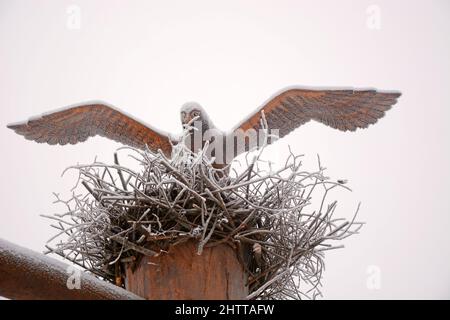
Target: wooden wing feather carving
345 110
78 123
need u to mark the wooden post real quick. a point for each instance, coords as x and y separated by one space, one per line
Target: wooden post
181 274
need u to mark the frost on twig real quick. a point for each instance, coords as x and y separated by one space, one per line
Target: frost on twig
279 222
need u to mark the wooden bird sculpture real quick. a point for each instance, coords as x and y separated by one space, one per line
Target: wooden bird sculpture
345 110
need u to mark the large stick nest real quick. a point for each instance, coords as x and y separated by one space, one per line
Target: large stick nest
280 222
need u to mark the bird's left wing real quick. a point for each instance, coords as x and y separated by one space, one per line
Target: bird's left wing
77 123
340 109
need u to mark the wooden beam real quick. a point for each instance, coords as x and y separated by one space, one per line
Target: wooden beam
26 274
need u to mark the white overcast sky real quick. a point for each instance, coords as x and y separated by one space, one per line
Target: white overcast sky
149 57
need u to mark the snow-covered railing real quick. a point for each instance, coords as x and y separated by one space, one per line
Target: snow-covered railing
26 274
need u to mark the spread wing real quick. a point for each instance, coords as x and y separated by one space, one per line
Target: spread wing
77 123
340 109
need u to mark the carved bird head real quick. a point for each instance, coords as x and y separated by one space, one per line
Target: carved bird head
193 110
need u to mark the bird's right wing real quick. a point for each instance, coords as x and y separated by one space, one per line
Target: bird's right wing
77 123
340 109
